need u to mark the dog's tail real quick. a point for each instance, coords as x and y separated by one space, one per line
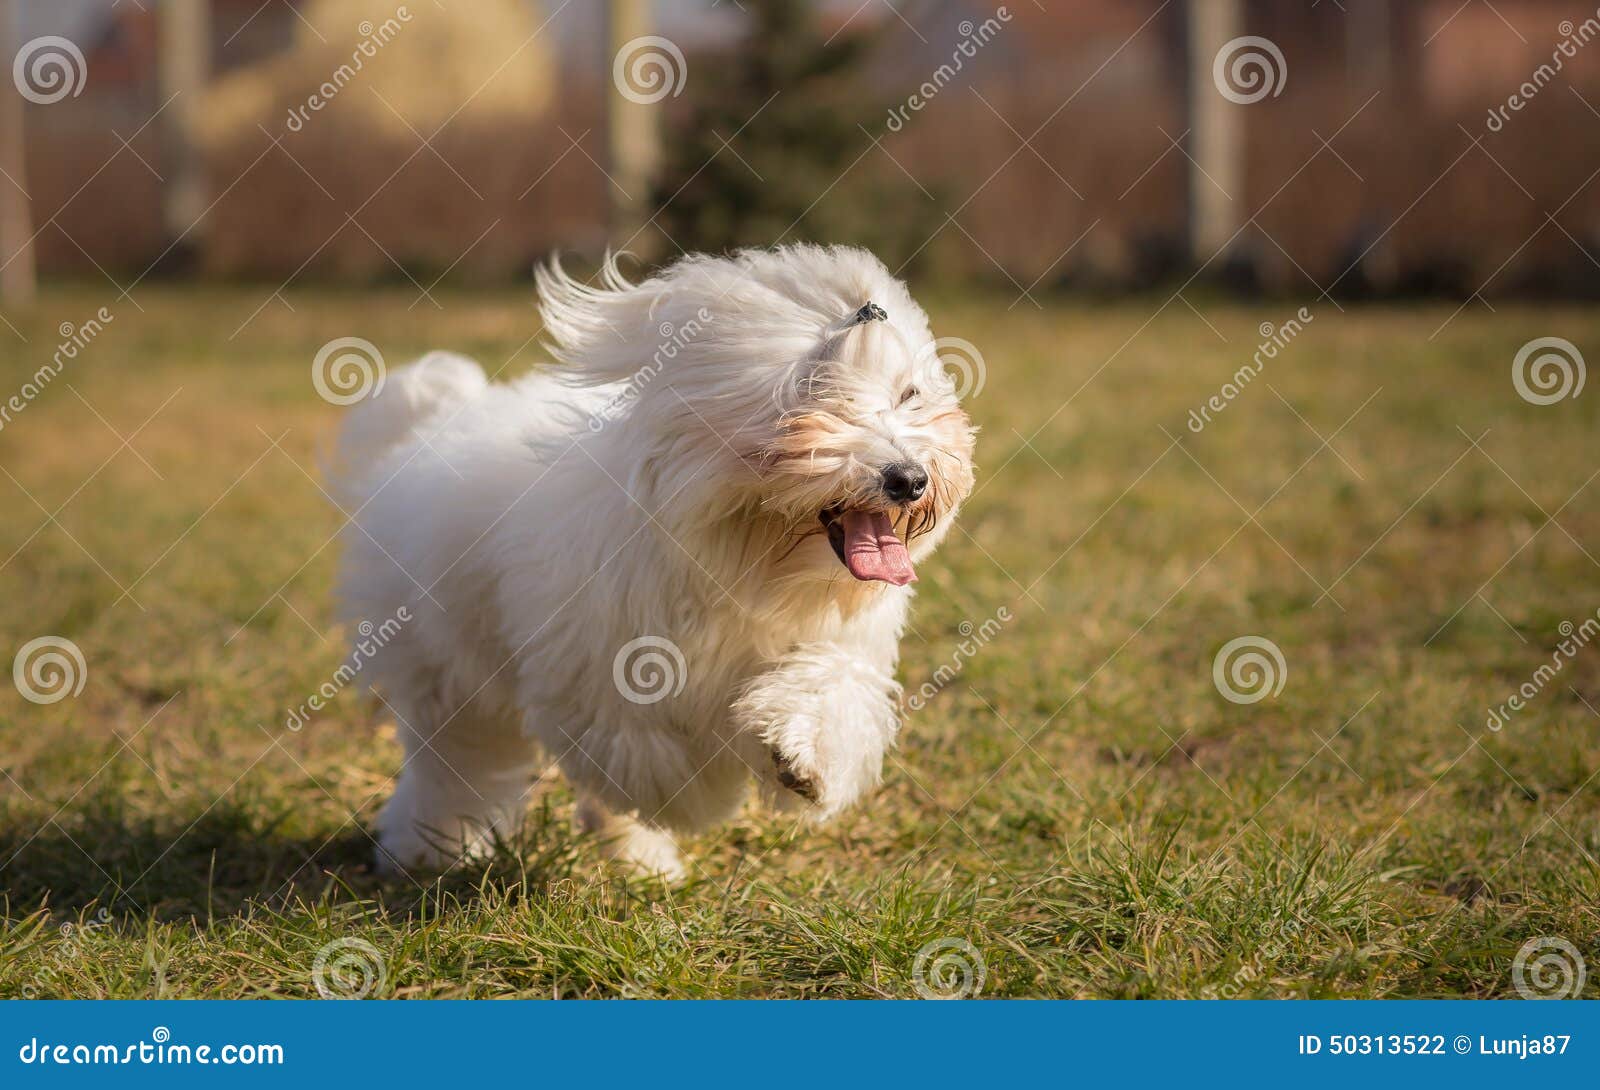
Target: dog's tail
400 409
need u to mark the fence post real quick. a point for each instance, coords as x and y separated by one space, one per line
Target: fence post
1216 133
18 278
184 60
633 139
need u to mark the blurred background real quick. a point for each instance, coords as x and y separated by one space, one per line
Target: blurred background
1041 146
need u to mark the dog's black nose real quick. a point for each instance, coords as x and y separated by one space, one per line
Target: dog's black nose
904 481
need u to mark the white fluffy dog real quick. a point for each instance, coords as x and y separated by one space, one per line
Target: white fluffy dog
676 562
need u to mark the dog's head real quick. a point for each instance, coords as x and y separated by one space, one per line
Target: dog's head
799 388
871 445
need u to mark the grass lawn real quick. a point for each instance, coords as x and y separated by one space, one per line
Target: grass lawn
1077 800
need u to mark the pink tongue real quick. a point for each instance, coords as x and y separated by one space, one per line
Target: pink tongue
872 551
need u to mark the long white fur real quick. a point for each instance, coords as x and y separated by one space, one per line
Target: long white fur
649 485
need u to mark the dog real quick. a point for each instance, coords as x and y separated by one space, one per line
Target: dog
675 563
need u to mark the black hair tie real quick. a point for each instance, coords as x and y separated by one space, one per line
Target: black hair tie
870 312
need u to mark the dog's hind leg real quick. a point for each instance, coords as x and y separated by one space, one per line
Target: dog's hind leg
460 788
623 837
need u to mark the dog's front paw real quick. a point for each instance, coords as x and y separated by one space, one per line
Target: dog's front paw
808 773
802 785
814 730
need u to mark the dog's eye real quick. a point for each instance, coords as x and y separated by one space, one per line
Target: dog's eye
910 392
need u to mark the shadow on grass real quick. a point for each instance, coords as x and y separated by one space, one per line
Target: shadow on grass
230 860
